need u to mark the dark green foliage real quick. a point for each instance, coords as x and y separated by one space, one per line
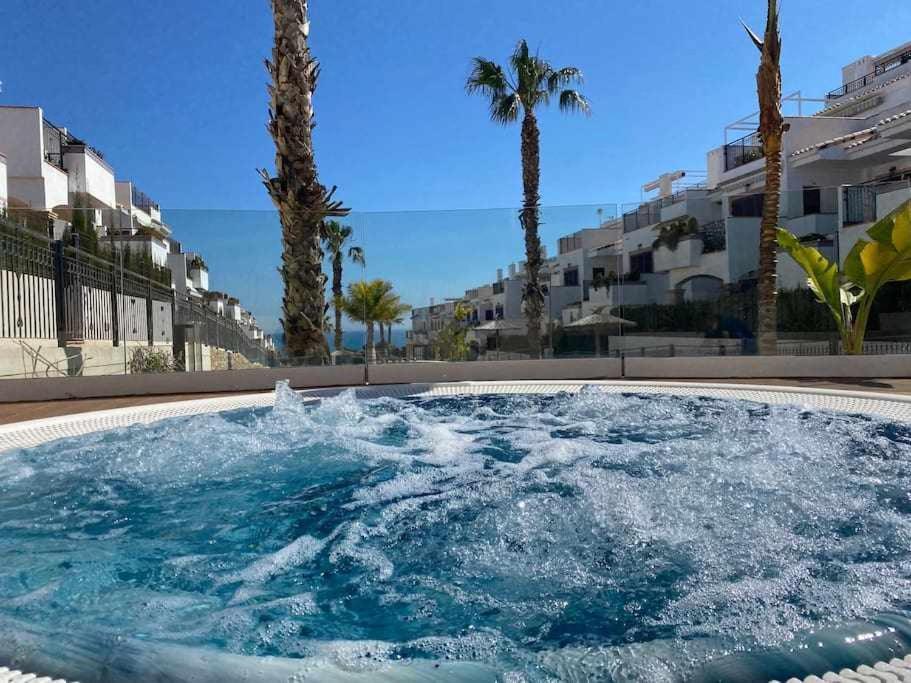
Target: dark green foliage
798 311
671 232
82 226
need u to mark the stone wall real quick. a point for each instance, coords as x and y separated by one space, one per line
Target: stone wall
230 360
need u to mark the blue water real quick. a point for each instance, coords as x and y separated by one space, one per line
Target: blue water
536 535
352 339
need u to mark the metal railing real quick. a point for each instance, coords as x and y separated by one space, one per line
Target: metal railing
860 200
867 79
714 237
860 204
207 327
143 201
643 216
50 290
742 151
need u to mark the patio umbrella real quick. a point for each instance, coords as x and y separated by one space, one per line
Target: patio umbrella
497 326
596 322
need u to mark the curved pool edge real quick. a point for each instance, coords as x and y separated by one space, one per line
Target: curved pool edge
887 406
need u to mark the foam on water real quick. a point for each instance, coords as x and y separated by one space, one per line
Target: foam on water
542 536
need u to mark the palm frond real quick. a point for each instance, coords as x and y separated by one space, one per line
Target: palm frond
505 109
356 254
486 77
752 35
519 58
559 78
573 100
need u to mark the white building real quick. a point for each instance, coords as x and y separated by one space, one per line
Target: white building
3 184
49 170
138 225
843 167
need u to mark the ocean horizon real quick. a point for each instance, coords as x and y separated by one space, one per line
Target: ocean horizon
351 339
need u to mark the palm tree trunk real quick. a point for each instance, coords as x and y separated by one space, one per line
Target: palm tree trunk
771 129
767 324
371 349
529 218
337 298
301 200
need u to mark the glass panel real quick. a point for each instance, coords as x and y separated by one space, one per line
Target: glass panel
147 290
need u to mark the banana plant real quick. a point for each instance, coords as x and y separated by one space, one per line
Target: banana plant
872 263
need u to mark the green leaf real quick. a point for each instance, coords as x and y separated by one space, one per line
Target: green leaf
822 275
886 257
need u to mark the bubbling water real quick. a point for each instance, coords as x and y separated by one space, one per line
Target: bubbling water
538 535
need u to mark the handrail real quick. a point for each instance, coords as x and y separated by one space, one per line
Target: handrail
866 79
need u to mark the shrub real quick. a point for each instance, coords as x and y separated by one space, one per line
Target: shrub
145 360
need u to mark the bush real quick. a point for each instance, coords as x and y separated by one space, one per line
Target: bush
145 360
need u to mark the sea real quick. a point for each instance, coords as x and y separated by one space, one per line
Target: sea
351 339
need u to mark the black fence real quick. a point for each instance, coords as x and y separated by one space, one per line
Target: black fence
742 151
198 323
50 290
644 215
714 237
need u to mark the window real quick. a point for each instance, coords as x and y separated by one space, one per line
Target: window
641 263
571 278
812 201
748 206
488 314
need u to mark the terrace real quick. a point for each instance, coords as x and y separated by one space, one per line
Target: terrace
742 151
884 67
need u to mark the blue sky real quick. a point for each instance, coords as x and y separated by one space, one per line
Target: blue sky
174 93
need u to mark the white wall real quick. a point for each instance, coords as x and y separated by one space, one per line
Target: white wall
91 175
200 278
714 263
3 187
159 250
22 140
56 187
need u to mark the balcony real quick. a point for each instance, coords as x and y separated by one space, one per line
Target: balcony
864 81
645 215
742 151
686 254
56 139
713 236
868 203
143 201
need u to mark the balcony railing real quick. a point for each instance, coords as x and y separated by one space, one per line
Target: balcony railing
742 151
714 237
864 81
55 139
642 217
143 201
860 200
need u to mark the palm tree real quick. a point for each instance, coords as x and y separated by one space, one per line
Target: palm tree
367 302
528 82
334 237
301 200
393 311
771 130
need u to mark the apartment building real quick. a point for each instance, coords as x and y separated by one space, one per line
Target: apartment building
48 175
843 167
846 161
